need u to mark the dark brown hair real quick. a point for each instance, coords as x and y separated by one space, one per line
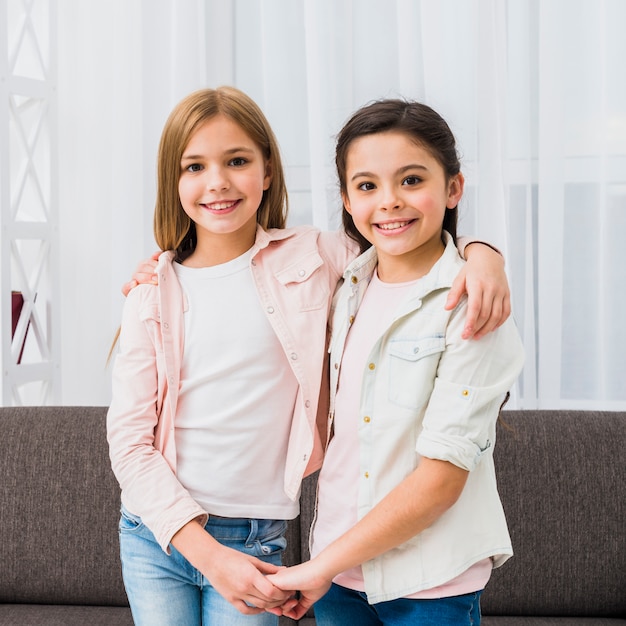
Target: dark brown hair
427 128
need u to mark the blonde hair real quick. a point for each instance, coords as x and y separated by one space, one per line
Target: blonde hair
173 230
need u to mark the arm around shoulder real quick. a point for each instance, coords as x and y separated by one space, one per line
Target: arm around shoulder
484 280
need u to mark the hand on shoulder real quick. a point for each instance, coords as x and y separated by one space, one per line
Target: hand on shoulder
144 274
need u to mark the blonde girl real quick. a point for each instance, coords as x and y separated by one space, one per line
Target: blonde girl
216 384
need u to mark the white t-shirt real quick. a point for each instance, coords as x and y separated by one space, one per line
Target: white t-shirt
236 399
339 477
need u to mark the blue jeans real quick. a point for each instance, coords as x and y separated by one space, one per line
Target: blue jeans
166 590
342 606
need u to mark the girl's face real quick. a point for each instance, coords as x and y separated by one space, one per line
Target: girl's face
222 179
397 195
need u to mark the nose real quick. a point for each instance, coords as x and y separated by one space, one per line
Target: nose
390 199
216 179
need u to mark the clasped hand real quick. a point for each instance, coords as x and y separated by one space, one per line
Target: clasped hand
311 585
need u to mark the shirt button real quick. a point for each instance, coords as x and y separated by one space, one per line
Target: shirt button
367 419
354 280
270 309
372 366
253 262
294 356
352 319
336 366
367 474
166 325
302 273
307 404
465 393
416 350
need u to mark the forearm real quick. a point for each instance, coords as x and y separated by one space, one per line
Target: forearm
196 545
410 508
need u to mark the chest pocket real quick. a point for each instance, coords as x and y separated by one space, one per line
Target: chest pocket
412 369
305 282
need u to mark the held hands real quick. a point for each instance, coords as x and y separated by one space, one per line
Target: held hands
243 580
311 583
240 578
488 297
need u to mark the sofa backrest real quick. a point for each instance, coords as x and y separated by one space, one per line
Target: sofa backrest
561 477
59 508
562 481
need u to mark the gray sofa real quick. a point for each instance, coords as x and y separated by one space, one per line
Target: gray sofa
562 477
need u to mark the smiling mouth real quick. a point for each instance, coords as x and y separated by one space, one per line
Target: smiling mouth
220 206
394 225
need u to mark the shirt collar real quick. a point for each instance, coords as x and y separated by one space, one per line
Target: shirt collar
441 275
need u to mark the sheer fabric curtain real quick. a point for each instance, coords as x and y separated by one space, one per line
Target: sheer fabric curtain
122 66
532 90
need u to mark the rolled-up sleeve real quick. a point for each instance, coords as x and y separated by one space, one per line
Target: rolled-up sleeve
473 378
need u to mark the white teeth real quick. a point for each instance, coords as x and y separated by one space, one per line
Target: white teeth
220 206
392 225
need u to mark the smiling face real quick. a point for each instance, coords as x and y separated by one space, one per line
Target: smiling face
397 194
222 179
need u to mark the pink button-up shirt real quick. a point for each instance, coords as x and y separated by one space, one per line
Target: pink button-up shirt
295 271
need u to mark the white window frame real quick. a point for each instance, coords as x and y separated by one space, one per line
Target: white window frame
29 239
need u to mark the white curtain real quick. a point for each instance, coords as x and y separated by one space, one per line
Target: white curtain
534 91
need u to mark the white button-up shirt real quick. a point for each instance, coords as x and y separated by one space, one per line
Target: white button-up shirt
428 392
